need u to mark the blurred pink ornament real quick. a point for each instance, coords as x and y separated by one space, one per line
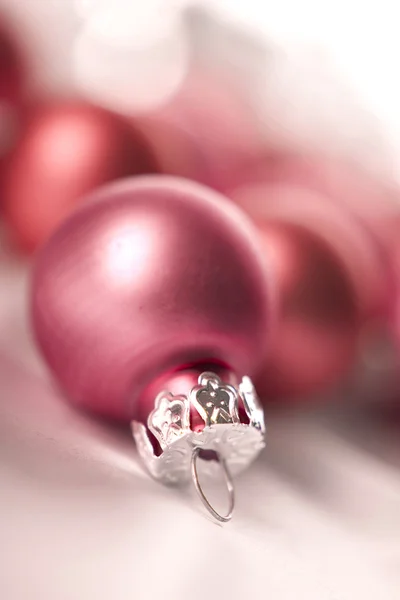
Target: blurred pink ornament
349 205
331 279
206 132
11 68
12 80
150 276
65 151
395 250
318 319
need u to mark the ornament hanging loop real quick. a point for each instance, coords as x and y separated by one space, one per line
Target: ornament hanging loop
203 497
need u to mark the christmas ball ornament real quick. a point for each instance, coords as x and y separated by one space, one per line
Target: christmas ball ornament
12 78
329 281
318 321
66 150
152 281
395 257
11 69
346 193
342 229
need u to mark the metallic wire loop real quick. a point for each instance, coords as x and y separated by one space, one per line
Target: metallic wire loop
229 486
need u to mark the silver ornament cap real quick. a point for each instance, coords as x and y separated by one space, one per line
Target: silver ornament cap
236 443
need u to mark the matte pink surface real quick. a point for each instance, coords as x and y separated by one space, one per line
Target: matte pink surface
153 274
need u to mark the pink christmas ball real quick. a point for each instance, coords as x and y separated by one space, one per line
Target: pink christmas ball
12 72
362 256
149 276
395 255
349 204
12 89
66 150
319 318
330 281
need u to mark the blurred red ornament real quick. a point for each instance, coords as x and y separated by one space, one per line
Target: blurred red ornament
367 198
395 248
318 321
150 276
207 132
11 70
362 203
65 151
11 90
330 281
